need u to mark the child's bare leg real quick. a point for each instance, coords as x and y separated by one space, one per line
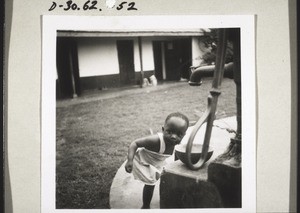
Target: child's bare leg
147 196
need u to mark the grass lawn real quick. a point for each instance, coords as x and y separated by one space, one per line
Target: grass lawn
92 137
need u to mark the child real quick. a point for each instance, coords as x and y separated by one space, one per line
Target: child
146 163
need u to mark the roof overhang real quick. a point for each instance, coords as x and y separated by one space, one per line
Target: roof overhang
133 33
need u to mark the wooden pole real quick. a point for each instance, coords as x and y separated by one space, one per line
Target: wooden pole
141 61
72 72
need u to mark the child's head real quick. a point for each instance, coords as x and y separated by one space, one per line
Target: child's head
175 127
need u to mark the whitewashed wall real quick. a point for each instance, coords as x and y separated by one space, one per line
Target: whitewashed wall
147 55
97 56
198 50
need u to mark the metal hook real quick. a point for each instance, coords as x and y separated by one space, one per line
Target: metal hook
209 114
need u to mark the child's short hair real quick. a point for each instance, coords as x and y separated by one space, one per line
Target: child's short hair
178 115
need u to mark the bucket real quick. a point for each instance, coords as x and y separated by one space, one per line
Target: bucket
153 80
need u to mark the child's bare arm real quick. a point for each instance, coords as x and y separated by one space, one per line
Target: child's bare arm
150 142
131 151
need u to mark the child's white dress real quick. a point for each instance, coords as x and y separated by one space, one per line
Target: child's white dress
148 165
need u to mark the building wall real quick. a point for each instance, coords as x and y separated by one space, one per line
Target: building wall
147 55
97 56
198 50
99 65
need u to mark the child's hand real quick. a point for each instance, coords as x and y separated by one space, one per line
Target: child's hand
128 166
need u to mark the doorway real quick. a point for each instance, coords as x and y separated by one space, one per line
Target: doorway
158 59
68 84
126 62
178 54
172 59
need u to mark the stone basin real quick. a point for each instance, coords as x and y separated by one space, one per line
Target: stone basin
180 153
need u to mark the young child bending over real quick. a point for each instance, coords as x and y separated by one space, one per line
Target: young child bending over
146 156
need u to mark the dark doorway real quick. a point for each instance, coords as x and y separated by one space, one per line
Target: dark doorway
185 45
67 68
126 62
178 55
157 52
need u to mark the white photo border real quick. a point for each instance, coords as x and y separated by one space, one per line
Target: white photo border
50 26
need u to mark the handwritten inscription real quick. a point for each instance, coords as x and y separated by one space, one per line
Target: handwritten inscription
90 5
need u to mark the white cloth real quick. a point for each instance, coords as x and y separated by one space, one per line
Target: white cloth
148 165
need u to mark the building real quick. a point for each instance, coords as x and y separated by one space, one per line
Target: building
108 59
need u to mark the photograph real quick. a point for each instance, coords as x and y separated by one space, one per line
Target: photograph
175 106
147 117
